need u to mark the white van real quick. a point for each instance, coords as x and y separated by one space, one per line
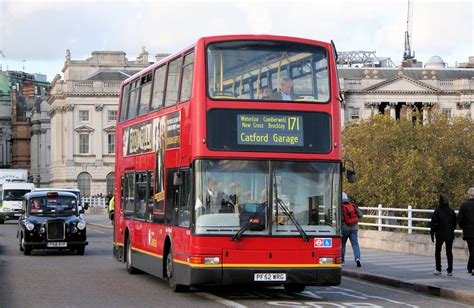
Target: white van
11 197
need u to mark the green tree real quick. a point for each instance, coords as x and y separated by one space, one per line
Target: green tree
400 163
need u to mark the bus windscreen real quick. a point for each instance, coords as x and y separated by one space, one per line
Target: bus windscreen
267 71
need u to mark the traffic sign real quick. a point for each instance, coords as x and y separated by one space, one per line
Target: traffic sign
323 242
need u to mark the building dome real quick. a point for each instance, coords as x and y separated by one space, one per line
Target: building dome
435 62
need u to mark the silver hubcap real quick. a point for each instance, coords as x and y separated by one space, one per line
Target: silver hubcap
169 266
129 255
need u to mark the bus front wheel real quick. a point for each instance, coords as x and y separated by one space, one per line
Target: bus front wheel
170 274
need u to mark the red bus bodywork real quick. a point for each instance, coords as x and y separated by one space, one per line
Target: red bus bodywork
235 261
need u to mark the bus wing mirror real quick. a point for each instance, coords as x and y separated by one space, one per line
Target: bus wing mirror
178 178
350 171
86 206
351 176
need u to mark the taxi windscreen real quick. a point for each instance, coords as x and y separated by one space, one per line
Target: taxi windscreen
53 205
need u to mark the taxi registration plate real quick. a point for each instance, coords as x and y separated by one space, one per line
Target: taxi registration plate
269 277
57 244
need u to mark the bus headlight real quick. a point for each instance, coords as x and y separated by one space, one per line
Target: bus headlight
212 260
29 226
81 225
326 260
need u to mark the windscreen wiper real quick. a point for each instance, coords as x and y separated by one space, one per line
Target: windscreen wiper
244 228
288 213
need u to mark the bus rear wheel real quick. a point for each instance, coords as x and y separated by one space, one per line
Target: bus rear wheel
128 262
170 274
294 288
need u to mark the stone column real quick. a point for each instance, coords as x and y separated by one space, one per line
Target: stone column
70 134
409 110
372 106
100 134
43 151
426 114
343 114
56 128
393 112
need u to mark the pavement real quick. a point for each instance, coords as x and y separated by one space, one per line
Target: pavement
390 268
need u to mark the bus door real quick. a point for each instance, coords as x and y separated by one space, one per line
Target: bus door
178 207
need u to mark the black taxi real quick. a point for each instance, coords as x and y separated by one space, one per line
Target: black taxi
51 220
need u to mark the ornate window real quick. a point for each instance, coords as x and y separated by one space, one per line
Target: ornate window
83 143
84 115
84 183
111 143
112 116
110 182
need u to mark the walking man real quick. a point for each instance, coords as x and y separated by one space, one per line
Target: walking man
443 224
466 222
350 227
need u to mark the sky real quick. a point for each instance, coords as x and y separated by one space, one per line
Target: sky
35 34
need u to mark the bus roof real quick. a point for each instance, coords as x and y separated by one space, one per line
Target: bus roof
218 38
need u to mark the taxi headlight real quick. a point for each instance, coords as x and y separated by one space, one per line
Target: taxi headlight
81 225
29 226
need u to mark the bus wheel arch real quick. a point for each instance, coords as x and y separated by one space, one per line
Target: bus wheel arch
169 268
128 254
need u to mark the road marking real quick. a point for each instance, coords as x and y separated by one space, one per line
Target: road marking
220 300
377 297
310 294
320 304
403 292
373 284
95 230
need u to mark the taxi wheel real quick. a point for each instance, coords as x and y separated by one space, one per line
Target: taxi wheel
128 262
80 250
170 274
2 221
294 288
26 249
20 242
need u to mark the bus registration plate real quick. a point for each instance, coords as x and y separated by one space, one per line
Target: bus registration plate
269 277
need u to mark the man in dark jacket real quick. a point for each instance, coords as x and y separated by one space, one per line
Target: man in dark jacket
466 222
443 224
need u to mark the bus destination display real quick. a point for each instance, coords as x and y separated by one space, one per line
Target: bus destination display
270 130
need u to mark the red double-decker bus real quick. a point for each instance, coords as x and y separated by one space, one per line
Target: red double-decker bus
228 165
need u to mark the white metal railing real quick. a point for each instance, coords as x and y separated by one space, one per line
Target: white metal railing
381 218
96 202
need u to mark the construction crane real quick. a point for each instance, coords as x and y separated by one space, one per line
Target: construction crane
407 55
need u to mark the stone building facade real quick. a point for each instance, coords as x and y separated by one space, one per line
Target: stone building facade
83 113
398 91
40 134
20 138
17 91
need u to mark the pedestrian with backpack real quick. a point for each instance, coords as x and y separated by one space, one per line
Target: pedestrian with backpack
443 224
350 227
